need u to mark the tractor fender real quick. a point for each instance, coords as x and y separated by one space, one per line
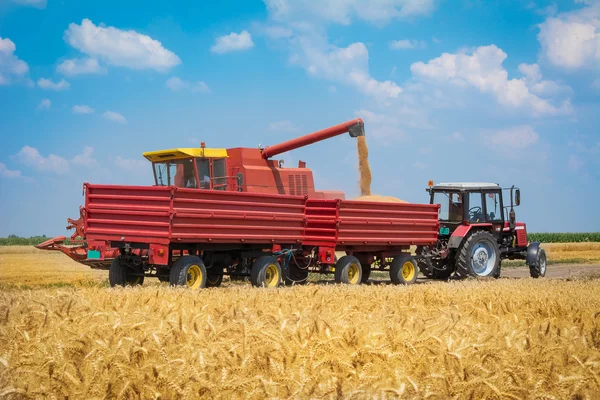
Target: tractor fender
532 251
463 231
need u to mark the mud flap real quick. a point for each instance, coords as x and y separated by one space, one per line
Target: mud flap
532 251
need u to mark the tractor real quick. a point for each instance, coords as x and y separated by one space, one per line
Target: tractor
477 231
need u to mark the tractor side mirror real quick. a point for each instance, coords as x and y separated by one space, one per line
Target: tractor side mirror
517 197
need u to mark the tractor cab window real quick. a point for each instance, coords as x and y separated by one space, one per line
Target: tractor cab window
204 172
178 173
476 208
451 206
493 208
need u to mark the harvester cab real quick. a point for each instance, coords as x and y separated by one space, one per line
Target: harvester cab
477 231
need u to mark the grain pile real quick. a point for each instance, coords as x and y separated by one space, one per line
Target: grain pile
383 199
363 166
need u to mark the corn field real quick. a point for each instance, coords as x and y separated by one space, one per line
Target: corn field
564 237
493 339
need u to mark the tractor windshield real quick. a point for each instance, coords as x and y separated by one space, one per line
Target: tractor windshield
180 173
451 206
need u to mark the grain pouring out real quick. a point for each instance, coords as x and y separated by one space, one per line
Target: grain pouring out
363 166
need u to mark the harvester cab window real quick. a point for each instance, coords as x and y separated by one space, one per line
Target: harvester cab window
178 173
476 207
492 207
204 172
219 174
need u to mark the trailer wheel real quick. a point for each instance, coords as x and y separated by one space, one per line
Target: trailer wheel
266 272
538 269
214 280
348 270
478 256
295 275
404 270
366 273
120 274
188 271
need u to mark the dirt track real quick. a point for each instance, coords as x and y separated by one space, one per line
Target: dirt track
555 271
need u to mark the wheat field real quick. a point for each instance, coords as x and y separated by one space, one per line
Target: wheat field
508 338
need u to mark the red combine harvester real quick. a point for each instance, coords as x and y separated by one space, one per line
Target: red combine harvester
215 212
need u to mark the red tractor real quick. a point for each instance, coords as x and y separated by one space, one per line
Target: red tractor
477 231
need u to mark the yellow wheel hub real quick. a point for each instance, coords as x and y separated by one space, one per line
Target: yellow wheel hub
194 277
272 276
408 271
353 274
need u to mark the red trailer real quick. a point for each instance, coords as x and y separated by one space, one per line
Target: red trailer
236 212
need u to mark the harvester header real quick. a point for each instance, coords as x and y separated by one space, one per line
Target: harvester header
355 128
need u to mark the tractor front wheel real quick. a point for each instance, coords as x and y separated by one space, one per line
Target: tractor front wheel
538 269
478 256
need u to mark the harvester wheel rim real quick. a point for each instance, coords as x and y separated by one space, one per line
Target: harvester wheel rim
353 274
194 277
272 275
408 271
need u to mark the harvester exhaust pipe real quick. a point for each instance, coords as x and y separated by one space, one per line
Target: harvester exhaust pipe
355 128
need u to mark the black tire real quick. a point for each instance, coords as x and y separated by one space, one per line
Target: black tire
214 279
163 274
266 272
465 254
538 269
366 273
294 275
404 270
188 271
348 270
423 266
120 274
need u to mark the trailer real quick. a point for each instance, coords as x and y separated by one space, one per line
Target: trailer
239 213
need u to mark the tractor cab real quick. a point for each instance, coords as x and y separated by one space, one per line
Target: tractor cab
196 168
469 203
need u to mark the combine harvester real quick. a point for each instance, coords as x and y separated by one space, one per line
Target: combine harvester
237 212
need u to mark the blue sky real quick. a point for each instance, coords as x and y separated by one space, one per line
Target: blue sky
502 91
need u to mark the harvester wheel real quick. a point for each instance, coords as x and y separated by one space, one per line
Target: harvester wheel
266 272
538 269
188 271
404 270
121 274
366 272
348 270
478 256
214 280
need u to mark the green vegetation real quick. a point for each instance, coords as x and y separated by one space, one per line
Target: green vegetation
564 237
14 240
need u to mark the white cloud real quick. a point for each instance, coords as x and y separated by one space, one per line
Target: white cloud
44 104
86 158
483 70
130 164
176 84
405 44
572 40
457 137
540 87
31 157
31 3
80 66
82 109
380 125
48 84
114 116
233 42
511 140
344 11
283 126
575 163
596 84
119 47
8 173
11 67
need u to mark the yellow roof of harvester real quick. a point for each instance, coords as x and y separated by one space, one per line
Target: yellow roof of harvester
174 154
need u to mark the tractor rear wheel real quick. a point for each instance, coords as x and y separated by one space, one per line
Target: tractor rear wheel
188 271
538 269
403 270
348 270
121 274
266 272
478 256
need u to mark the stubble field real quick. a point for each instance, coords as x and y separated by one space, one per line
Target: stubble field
63 333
